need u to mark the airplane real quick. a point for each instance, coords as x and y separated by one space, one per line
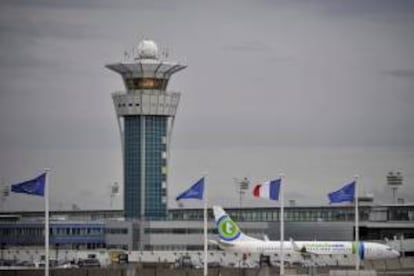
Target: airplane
232 239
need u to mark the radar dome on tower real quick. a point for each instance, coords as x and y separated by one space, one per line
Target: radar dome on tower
147 49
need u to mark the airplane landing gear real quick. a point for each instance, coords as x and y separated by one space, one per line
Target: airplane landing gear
264 260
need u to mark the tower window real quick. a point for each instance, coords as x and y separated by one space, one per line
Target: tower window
146 83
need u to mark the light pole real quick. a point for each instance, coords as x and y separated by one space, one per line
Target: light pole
4 192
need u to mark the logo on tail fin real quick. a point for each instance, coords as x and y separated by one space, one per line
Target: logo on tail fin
227 229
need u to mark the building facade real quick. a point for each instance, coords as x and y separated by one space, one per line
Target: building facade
145 114
183 228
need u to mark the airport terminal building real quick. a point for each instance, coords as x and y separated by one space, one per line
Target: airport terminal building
183 228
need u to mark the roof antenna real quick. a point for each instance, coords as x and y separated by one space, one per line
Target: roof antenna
126 55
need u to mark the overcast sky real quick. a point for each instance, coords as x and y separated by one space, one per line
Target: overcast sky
318 90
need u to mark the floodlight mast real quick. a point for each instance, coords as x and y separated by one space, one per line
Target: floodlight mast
394 180
242 185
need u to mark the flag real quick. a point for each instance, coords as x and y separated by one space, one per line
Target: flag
34 186
269 189
196 191
346 193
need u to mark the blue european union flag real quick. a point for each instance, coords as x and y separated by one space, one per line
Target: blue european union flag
196 191
346 193
34 186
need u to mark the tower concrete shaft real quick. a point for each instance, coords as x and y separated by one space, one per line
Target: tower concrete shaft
145 115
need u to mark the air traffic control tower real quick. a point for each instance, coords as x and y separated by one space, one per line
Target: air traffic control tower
145 114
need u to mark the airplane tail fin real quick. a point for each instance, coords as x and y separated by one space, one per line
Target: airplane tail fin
228 230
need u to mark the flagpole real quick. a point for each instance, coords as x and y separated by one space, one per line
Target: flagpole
282 226
47 222
356 222
205 226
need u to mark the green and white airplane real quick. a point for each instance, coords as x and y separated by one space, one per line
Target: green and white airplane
233 240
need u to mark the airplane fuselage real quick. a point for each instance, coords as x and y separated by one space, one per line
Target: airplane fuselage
366 250
231 238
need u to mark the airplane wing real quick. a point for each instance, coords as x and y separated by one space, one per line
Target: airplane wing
213 242
221 243
225 244
303 251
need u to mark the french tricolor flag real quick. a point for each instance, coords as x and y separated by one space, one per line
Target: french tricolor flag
268 189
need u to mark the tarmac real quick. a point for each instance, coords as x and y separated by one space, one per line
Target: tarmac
402 266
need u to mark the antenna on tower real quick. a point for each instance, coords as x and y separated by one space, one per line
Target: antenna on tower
126 55
114 191
133 52
165 53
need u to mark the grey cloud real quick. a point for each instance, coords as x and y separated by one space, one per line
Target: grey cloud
45 24
401 73
50 4
353 8
279 59
303 76
25 60
249 46
93 5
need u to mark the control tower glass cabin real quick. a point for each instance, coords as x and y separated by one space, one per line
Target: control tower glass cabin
145 115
